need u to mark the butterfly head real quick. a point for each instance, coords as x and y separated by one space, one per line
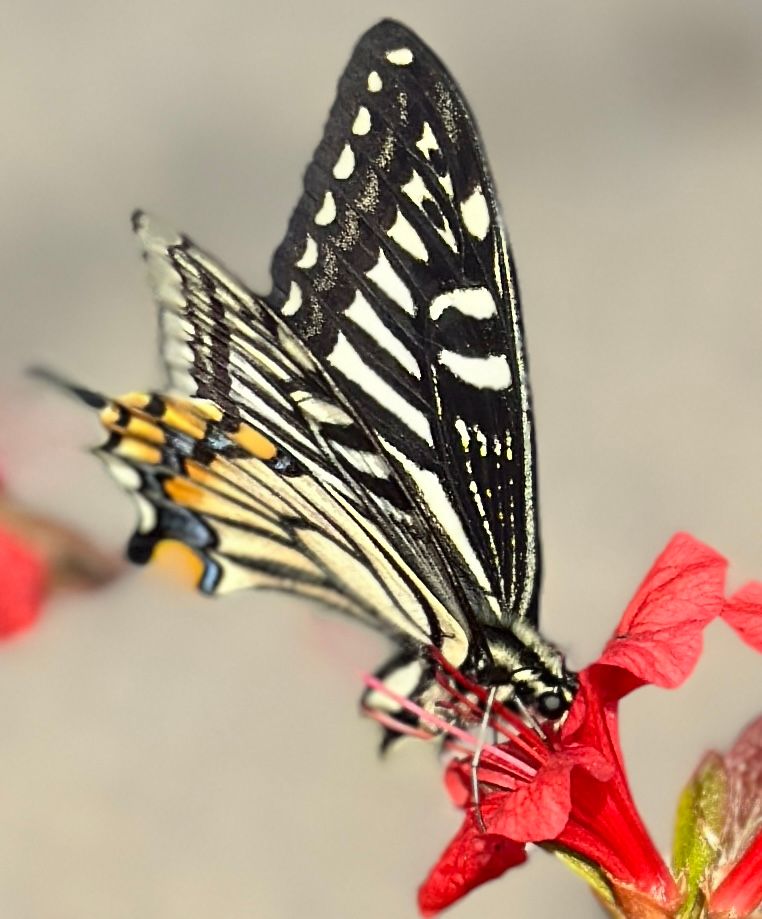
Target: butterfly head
528 671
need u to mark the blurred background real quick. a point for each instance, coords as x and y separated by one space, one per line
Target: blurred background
169 757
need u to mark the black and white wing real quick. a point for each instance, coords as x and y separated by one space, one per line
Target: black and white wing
235 466
395 274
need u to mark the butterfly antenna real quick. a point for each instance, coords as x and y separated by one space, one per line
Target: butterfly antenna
81 393
476 758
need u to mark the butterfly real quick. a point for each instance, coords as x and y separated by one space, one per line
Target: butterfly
363 434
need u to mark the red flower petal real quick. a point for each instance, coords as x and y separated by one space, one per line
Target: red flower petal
539 810
659 638
533 812
23 579
604 825
741 890
743 612
458 782
471 859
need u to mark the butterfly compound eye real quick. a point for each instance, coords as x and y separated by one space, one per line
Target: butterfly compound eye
552 705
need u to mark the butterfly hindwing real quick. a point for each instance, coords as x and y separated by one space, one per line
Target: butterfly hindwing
395 274
220 489
264 434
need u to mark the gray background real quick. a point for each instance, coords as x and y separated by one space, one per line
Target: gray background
163 756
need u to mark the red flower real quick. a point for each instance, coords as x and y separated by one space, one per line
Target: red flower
22 585
566 788
38 555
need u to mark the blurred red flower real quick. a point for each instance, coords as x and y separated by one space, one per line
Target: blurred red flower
38 556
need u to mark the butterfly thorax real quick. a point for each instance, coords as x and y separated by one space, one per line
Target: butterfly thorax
530 671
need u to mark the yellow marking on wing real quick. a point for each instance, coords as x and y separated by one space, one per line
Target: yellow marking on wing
207 409
137 400
254 442
182 417
145 430
179 561
138 451
137 426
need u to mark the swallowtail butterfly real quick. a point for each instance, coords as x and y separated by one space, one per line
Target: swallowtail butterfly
363 434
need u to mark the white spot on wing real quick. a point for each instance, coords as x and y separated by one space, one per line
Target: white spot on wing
126 475
366 318
345 163
418 192
476 302
404 234
327 210
427 142
476 213
310 254
446 182
374 82
391 283
294 300
402 682
348 362
416 189
462 428
361 124
482 440
400 56
147 516
490 372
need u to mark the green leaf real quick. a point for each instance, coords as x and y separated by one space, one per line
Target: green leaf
590 873
699 825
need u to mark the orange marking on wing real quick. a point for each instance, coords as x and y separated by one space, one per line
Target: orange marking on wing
204 475
254 442
145 430
185 493
221 503
214 476
220 476
179 561
137 400
182 417
138 451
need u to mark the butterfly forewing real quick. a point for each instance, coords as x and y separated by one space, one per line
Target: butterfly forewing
395 275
